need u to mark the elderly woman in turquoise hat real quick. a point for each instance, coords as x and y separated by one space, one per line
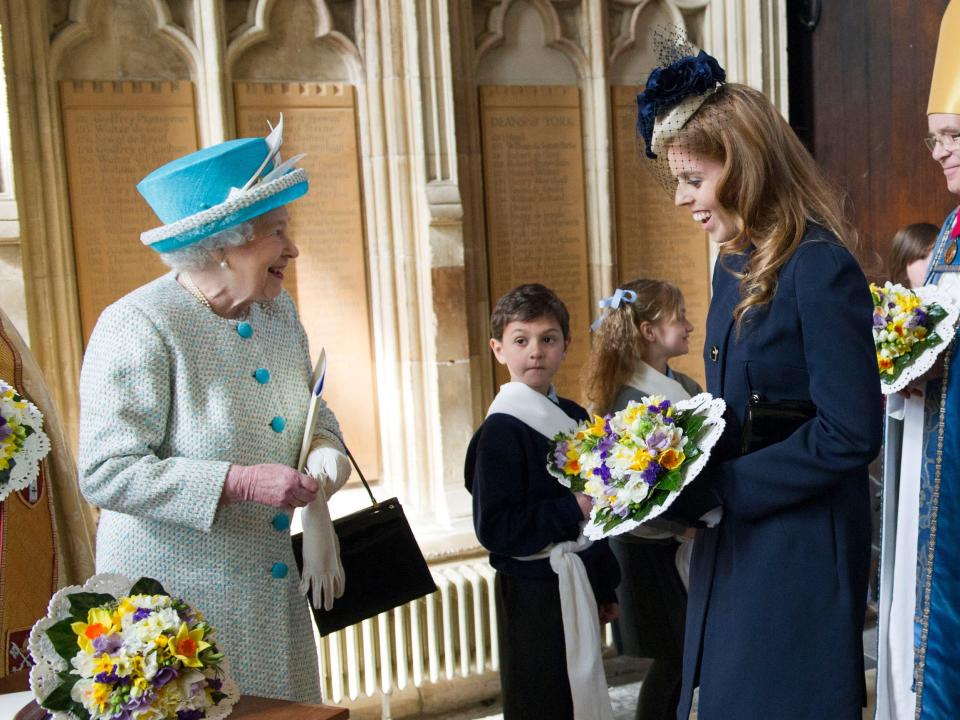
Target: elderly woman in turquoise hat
194 395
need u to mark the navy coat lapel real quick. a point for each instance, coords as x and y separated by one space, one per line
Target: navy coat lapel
726 295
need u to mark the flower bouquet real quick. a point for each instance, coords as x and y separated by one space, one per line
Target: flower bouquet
910 329
23 444
127 650
635 462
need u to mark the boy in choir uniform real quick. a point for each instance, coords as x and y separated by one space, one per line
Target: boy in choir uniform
552 584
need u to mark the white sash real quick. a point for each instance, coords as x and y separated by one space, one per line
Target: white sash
531 408
581 626
653 382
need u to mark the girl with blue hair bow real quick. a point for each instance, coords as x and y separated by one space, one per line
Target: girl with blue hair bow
643 326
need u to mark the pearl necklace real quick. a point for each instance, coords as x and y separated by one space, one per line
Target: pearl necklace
195 291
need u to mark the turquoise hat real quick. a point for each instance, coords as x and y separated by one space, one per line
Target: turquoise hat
218 187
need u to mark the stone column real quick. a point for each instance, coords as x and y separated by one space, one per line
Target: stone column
49 274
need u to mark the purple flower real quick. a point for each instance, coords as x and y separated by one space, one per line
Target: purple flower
109 678
560 454
163 676
658 441
607 442
664 406
5 430
141 614
879 320
214 683
603 472
137 703
107 643
190 715
651 473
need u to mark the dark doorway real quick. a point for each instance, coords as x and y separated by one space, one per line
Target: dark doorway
859 73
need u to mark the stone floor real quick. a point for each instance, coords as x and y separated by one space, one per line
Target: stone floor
623 697
624 701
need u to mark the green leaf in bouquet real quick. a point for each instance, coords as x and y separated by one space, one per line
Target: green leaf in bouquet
611 522
673 480
659 497
60 700
694 425
63 639
82 603
935 313
147 586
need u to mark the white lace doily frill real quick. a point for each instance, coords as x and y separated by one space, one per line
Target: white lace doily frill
48 663
712 409
35 448
945 328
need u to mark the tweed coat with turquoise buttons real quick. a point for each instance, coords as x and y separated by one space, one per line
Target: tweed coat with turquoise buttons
168 400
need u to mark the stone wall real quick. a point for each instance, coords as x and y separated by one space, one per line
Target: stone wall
416 68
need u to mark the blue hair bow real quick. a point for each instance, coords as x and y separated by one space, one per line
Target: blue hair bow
613 302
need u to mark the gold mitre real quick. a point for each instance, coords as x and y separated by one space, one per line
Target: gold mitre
945 87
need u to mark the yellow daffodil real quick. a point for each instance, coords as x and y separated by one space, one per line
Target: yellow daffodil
100 695
124 607
188 644
99 622
596 428
641 459
102 664
671 458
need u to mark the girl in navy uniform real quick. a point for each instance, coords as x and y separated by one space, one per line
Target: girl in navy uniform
645 327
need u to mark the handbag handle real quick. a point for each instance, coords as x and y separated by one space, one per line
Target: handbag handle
353 460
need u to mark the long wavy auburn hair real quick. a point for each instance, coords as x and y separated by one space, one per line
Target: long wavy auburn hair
618 346
769 182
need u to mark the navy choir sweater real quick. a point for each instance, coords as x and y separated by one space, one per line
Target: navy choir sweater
519 508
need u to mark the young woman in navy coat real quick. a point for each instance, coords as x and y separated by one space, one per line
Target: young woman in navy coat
778 587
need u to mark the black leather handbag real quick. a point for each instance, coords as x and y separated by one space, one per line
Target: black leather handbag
382 564
771 421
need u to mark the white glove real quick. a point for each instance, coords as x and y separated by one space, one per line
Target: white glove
329 467
322 575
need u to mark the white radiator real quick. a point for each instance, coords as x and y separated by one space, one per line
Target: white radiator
451 633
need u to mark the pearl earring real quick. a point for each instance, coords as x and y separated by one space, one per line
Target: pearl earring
223 265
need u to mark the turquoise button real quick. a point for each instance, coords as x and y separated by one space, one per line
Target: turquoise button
279 570
262 375
245 330
281 522
278 424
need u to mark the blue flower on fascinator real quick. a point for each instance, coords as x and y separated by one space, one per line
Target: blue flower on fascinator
667 86
613 302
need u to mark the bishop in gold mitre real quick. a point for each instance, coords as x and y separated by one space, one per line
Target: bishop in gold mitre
46 529
918 665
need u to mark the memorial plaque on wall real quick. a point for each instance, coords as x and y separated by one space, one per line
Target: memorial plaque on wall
535 207
114 133
655 238
329 278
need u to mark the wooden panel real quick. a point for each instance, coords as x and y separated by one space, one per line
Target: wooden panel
655 238
535 208
867 69
329 282
114 133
